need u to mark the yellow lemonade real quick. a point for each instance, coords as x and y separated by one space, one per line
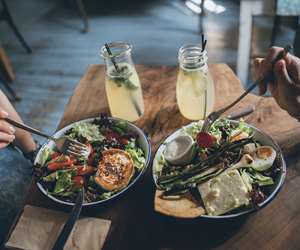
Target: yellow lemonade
195 93
124 92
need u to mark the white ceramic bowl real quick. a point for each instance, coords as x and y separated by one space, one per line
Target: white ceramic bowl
142 141
258 135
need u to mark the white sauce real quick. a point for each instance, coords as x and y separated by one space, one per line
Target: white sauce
177 147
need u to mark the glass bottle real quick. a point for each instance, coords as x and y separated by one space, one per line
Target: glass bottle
122 84
195 92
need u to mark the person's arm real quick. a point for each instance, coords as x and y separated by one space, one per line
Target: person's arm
8 134
286 85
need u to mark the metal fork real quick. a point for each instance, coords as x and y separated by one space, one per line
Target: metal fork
212 117
64 144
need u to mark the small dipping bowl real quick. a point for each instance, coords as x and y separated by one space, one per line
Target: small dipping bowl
180 150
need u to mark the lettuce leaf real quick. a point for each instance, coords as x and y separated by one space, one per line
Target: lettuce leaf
64 180
193 129
245 128
86 130
136 154
253 177
50 178
219 124
45 156
121 127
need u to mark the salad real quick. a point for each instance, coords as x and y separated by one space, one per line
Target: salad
115 159
229 168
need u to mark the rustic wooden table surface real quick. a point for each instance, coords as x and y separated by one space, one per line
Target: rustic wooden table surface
135 225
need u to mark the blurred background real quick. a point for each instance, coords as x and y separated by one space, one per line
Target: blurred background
46 45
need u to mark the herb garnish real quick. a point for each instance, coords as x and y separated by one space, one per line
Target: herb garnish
122 77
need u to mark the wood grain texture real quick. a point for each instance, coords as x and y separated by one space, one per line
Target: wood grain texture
135 225
161 112
184 207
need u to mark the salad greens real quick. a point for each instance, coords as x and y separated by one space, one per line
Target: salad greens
45 156
227 146
136 154
254 177
193 129
88 131
244 128
64 184
121 127
63 176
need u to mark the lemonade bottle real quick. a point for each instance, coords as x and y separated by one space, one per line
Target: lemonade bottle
194 88
122 84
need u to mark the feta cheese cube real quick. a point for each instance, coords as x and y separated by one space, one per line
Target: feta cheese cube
224 193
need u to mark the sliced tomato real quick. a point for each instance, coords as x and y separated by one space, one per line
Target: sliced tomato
78 181
205 140
60 164
54 155
124 141
86 170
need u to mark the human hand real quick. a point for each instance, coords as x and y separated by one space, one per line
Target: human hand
286 85
6 130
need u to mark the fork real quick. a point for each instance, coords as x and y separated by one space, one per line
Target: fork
212 117
70 223
64 144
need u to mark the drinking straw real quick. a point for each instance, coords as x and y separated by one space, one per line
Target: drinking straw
204 42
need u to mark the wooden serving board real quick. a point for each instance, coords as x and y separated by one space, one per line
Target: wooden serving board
162 116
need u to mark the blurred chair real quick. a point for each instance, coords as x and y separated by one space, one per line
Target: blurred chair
285 8
6 70
7 74
6 16
83 14
251 8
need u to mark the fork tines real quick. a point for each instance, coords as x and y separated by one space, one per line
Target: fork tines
77 149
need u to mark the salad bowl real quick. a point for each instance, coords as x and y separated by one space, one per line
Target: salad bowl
141 140
259 136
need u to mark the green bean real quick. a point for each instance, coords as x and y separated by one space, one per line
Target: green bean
182 186
204 165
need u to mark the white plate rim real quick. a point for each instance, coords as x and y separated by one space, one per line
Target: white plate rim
63 130
257 131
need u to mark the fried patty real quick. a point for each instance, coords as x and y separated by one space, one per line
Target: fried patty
115 170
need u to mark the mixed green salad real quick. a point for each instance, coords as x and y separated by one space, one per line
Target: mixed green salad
229 168
115 159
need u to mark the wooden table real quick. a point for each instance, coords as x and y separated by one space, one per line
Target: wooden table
135 225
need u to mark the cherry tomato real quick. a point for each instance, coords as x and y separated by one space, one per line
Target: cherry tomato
53 166
54 155
205 140
124 141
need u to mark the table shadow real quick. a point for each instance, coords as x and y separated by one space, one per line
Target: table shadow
196 233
